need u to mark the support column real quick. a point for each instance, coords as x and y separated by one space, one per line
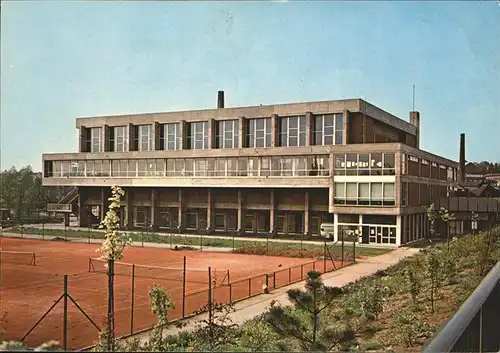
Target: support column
155 140
180 210
399 233
275 142
240 211
182 134
331 183
309 129
345 127
210 212
103 204
272 213
81 142
131 137
153 206
105 138
82 217
130 208
242 132
306 213
211 133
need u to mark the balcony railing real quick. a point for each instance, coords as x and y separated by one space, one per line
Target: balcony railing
59 207
475 326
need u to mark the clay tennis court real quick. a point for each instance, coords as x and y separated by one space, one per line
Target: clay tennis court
28 290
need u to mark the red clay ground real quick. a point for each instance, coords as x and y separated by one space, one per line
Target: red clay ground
27 291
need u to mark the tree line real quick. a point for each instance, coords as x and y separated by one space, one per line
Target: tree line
22 192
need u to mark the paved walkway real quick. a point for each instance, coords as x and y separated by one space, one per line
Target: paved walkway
249 308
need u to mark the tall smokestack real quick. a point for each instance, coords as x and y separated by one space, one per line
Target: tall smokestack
415 121
220 99
461 162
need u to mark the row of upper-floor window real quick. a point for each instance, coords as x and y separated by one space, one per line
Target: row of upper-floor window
364 193
417 166
192 167
326 129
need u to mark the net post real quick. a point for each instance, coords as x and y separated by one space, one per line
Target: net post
354 251
184 288
34 258
43 234
324 255
22 230
65 314
250 287
274 280
314 265
302 271
132 301
90 263
289 275
228 277
65 231
230 292
342 246
233 242
142 239
209 294
267 244
201 242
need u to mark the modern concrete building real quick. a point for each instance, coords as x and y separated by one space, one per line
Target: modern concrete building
281 169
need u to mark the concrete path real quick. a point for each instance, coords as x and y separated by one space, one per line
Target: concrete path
249 308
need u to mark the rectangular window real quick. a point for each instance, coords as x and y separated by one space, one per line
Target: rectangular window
227 134
328 129
200 167
144 137
292 131
95 139
259 132
118 139
197 135
170 136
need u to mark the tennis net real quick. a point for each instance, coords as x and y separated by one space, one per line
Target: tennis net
194 275
18 257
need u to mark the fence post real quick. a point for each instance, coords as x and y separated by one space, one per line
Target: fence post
43 230
209 294
267 244
65 314
342 250
89 231
65 231
201 242
354 251
233 242
170 236
132 301
324 256
184 288
142 239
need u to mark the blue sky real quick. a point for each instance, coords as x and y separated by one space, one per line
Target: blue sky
61 60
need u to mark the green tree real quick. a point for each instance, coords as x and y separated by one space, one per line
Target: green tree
311 334
112 249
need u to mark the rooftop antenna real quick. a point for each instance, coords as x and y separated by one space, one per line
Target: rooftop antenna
413 98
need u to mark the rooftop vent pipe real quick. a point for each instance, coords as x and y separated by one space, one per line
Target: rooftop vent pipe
220 99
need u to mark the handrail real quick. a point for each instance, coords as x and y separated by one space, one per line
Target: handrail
446 338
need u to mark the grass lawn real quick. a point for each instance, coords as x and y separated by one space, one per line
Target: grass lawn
239 246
